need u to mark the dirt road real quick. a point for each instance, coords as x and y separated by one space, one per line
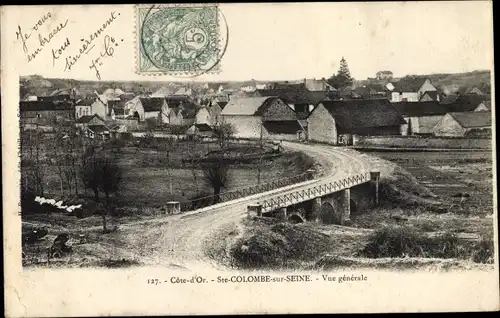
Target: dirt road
180 240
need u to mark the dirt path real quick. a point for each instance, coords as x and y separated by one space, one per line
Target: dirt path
180 239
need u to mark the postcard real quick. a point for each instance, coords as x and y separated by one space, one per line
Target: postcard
237 158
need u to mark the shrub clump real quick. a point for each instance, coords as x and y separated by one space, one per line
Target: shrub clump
278 246
403 241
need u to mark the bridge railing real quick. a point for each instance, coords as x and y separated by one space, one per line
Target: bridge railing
313 192
245 191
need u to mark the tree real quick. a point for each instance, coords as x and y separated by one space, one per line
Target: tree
101 173
223 132
193 159
216 174
343 77
111 177
168 145
91 174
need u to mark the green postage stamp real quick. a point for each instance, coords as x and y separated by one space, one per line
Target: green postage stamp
183 40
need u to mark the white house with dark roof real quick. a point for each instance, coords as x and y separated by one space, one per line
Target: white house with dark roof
411 89
83 107
382 75
269 117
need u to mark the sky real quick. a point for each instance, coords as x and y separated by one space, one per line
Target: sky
276 41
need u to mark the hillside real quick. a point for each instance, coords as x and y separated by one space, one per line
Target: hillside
454 82
447 82
38 85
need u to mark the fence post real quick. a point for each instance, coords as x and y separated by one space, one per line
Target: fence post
173 207
254 208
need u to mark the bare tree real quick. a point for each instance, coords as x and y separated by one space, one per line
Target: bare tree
223 132
194 157
37 168
168 145
56 152
216 174
91 174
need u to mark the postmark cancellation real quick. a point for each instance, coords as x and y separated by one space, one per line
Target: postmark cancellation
180 40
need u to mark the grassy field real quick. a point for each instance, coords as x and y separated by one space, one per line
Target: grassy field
149 180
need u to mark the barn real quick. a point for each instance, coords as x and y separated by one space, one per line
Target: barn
266 117
464 124
337 121
421 117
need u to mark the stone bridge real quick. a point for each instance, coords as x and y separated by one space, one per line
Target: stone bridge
330 202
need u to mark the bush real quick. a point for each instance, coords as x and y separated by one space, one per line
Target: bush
263 249
405 241
393 242
279 245
148 140
483 251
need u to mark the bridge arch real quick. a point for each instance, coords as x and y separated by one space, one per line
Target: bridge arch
296 218
353 206
328 214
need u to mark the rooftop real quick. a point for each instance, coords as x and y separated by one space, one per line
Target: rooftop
351 115
473 119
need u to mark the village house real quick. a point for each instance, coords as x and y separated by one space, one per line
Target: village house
421 117
464 124
45 111
209 115
315 85
384 75
92 126
296 96
181 111
200 130
336 122
59 95
430 96
83 107
116 108
411 89
97 132
262 117
152 107
100 107
89 120
474 90
469 103
466 103
369 91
